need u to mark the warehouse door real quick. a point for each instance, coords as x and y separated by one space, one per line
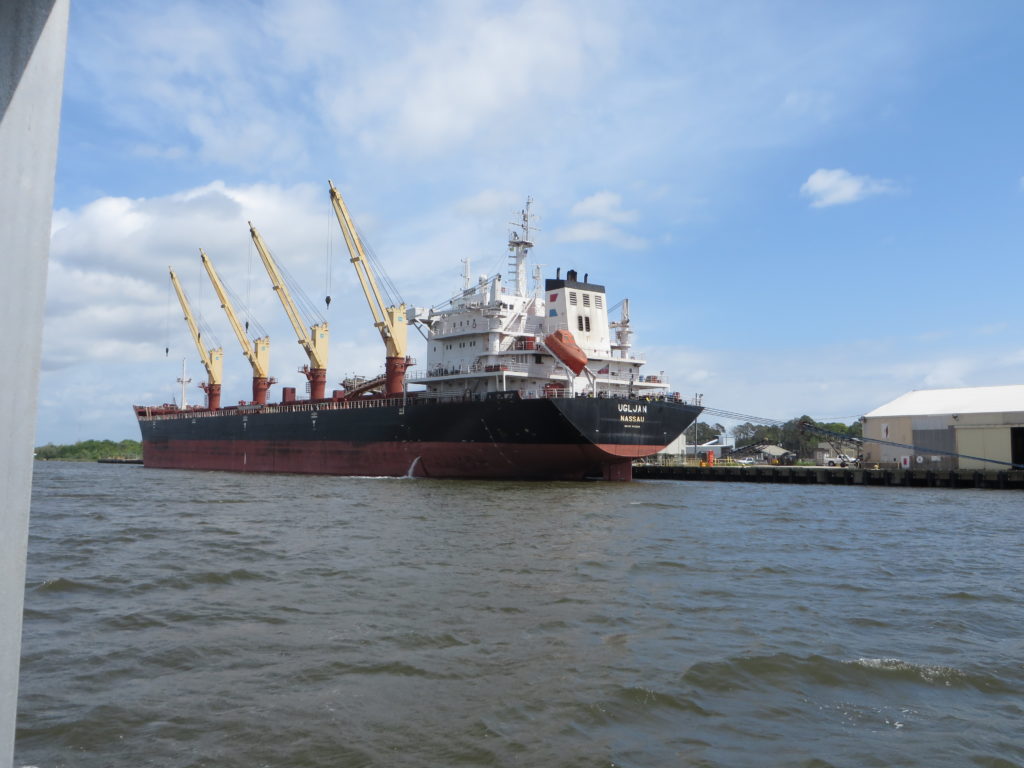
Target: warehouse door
980 446
1017 445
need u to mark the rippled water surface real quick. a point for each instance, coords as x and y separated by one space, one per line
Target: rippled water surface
214 619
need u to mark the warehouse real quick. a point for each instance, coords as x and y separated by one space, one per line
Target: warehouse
984 425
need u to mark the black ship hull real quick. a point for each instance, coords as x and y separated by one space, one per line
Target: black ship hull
501 436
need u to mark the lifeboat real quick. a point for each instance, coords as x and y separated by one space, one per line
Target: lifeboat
564 347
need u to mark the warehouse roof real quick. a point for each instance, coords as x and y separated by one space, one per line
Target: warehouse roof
928 402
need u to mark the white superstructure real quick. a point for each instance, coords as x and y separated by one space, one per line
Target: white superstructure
490 338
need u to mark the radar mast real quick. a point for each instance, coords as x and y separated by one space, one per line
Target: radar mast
519 244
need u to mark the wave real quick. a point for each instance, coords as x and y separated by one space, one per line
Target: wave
336 669
62 585
643 700
784 670
186 581
975 597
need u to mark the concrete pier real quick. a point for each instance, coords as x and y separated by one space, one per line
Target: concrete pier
907 478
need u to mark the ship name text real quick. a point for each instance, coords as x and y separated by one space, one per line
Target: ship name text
632 413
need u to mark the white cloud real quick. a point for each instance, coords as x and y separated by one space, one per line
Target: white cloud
301 76
599 232
549 84
600 214
108 284
838 186
949 372
488 203
468 75
604 205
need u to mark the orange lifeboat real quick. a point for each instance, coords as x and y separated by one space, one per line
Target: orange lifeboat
564 347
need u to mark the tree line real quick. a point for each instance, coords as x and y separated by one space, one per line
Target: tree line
91 450
790 435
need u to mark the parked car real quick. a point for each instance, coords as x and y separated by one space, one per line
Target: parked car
842 460
745 460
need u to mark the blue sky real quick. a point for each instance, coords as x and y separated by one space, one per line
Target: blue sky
813 207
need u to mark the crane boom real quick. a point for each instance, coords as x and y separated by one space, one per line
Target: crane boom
390 321
256 351
213 359
315 342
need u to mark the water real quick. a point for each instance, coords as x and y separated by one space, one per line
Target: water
213 619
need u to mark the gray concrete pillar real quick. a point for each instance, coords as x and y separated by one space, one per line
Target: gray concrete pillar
33 38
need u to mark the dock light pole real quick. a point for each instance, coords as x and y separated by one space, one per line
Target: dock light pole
696 401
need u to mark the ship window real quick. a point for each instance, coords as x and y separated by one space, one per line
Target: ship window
579 322
538 359
586 299
586 322
572 297
597 301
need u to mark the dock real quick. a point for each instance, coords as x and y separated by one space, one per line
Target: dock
906 478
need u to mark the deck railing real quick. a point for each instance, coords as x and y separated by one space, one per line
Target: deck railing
157 413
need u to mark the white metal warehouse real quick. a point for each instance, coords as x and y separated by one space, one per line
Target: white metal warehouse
978 423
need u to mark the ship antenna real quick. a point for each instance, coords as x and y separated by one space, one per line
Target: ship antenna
519 244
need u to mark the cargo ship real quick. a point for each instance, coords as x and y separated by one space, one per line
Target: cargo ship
519 383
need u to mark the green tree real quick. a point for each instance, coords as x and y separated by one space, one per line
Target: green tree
792 436
705 432
91 450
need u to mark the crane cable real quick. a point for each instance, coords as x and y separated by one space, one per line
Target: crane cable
167 323
732 416
330 262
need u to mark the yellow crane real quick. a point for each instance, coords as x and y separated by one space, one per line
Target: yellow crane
213 359
256 351
390 321
314 342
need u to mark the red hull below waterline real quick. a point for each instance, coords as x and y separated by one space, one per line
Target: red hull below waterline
387 459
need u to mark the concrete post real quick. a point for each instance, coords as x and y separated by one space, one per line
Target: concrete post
33 38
